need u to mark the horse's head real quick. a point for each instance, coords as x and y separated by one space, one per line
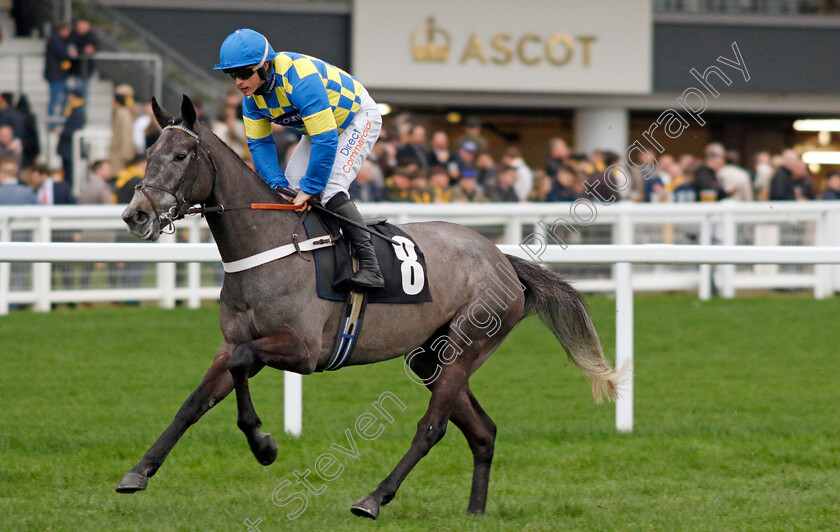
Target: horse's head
179 174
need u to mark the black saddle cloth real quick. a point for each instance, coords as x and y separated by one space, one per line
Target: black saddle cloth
404 270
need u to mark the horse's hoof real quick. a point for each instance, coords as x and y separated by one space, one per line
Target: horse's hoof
133 482
366 507
265 449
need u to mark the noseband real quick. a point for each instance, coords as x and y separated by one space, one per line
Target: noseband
182 204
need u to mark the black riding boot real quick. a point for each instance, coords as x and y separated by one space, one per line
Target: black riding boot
368 277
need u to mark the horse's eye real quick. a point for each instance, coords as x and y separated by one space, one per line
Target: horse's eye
180 156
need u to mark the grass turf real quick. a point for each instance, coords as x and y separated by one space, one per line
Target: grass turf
736 428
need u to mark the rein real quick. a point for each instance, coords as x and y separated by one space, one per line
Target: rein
178 212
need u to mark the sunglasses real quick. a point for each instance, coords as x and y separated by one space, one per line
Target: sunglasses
241 73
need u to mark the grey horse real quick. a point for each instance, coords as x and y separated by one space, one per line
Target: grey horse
270 315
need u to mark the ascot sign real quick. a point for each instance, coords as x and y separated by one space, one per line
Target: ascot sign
431 43
599 46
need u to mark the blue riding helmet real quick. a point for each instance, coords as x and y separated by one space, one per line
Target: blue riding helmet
243 48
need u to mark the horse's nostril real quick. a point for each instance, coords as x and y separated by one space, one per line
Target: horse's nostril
140 217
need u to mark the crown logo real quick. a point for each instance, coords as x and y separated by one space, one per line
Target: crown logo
436 45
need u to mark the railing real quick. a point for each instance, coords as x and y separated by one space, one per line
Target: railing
730 224
621 256
154 60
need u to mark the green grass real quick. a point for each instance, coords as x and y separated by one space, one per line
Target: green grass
736 428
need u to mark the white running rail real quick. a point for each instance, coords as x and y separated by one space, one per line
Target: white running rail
621 256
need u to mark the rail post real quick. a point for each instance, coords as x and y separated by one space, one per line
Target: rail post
5 269
292 403
624 344
42 271
166 276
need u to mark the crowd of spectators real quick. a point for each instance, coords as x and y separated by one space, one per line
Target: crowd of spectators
410 165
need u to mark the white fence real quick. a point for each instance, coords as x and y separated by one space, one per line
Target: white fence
760 223
621 256
167 272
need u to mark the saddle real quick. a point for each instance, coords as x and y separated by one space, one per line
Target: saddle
403 266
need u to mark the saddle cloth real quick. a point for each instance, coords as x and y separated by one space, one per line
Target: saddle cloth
403 266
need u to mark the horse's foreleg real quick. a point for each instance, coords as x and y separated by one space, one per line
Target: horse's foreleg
480 432
284 351
215 386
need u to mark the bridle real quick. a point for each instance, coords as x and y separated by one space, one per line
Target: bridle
182 204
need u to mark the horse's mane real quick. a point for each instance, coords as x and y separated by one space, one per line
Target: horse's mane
204 129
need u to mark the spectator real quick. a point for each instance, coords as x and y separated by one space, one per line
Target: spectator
688 163
130 177
231 130
440 155
524 175
472 133
467 189
75 121
504 190
48 191
139 127
563 186
707 186
29 16
86 44
541 187
654 188
384 152
30 144
10 145
198 104
97 191
439 185
365 188
415 152
734 179
398 186
12 192
57 59
802 186
467 155
558 155
486 168
832 191
680 188
10 115
762 173
234 99
595 186
783 182
122 145
420 188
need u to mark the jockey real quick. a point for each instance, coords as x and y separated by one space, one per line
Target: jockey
339 121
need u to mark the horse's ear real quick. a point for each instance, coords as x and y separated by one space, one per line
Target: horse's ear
163 118
188 112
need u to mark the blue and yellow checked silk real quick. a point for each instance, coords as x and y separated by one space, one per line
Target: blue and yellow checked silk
310 96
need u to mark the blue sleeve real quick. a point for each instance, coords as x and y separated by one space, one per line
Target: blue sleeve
264 154
261 145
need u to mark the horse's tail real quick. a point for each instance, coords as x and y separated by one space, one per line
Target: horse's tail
563 310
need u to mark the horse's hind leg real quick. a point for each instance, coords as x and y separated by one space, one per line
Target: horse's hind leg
430 429
215 386
480 432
